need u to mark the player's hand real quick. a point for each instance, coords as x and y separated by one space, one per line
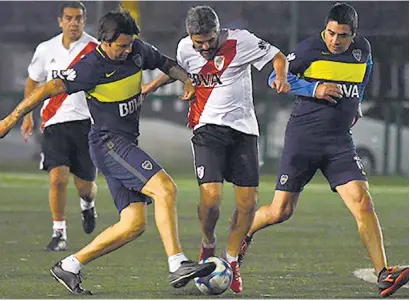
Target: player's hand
5 127
331 92
27 127
189 91
281 85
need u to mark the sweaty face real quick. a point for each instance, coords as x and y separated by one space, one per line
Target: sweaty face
206 44
120 48
338 37
72 23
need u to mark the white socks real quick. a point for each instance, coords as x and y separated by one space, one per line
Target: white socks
209 246
174 261
230 258
60 226
86 205
71 264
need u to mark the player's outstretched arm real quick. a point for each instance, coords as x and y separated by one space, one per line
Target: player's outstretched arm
152 86
330 92
51 88
175 71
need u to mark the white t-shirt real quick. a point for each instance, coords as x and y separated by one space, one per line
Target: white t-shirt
50 58
224 85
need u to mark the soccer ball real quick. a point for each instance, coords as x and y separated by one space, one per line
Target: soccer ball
219 280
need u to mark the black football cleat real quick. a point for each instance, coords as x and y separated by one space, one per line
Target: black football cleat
57 243
391 279
70 281
88 217
188 271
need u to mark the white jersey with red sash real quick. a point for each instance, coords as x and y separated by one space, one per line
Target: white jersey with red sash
50 59
223 85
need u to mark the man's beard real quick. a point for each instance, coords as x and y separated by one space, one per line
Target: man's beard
222 37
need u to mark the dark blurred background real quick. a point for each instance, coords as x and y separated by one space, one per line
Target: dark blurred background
23 25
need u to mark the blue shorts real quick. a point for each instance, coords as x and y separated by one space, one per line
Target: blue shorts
125 166
303 155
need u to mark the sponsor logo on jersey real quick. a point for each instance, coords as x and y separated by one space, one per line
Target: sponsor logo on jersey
129 107
207 80
283 179
200 172
219 62
350 90
108 75
263 45
357 54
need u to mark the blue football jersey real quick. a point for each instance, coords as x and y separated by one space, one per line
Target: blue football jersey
113 88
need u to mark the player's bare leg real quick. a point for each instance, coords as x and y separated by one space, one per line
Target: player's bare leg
281 209
246 198
357 198
87 190
57 198
208 215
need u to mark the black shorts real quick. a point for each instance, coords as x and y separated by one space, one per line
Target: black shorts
66 144
222 153
303 155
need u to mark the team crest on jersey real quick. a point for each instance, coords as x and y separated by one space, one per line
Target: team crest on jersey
200 172
137 59
357 54
147 165
219 62
283 179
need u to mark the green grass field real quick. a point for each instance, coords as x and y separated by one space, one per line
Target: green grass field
313 255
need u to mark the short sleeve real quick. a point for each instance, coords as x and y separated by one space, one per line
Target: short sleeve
82 76
36 68
152 58
255 50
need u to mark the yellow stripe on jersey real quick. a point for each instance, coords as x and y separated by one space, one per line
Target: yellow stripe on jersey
118 90
336 71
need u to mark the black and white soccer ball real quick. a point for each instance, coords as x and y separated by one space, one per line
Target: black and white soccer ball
219 280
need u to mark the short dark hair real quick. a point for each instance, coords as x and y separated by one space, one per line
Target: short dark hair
343 13
201 20
72 4
114 23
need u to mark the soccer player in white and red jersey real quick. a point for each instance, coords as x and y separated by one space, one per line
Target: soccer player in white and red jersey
223 121
65 121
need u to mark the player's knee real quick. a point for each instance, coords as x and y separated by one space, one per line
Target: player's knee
58 182
283 213
210 197
364 201
168 190
134 229
247 206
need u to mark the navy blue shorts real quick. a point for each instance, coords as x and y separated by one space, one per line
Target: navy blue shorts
302 156
125 166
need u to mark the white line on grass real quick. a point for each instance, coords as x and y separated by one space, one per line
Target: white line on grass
369 276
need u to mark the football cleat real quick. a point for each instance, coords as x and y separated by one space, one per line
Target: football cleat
57 243
70 281
391 279
88 217
237 283
188 271
244 247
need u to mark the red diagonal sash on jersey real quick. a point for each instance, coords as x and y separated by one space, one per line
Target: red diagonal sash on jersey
55 102
228 50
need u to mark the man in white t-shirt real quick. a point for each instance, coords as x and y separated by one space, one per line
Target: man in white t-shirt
224 121
65 123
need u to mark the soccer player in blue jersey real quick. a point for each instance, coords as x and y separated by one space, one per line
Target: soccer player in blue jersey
111 77
318 135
